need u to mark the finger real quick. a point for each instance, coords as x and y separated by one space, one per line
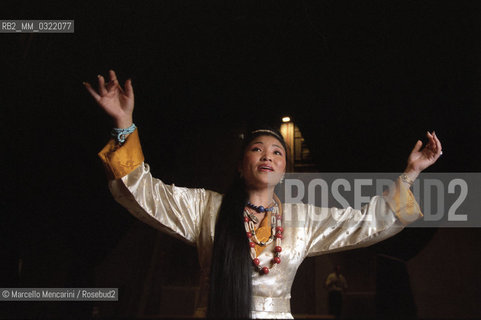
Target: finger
120 89
102 89
431 143
439 147
417 146
114 82
429 136
91 91
113 76
129 90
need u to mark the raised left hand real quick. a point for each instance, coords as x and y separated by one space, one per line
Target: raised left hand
420 159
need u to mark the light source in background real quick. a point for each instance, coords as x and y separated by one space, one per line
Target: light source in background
287 131
299 156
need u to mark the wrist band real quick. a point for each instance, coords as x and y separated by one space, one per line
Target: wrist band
404 177
120 134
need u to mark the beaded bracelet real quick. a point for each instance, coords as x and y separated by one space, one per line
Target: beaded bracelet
121 134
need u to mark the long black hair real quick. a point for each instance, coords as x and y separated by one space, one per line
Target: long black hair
230 291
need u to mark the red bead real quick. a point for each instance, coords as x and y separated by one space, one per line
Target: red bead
265 270
277 260
278 249
256 261
252 244
246 219
280 229
279 235
249 234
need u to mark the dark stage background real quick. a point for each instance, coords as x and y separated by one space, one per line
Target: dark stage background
363 80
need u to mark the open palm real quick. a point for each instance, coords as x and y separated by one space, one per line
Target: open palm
115 101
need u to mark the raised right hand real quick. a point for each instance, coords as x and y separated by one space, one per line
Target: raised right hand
116 102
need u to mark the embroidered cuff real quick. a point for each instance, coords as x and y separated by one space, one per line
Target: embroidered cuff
401 200
120 160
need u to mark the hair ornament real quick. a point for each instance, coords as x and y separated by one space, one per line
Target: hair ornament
268 131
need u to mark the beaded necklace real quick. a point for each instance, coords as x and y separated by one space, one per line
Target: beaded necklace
276 232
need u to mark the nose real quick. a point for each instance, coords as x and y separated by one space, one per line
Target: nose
266 157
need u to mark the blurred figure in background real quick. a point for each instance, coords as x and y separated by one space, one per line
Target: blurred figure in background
335 284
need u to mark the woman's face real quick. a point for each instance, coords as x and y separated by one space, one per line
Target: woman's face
264 162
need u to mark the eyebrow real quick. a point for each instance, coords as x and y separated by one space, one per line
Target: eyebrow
275 145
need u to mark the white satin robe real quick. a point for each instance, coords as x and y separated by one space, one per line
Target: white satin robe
190 214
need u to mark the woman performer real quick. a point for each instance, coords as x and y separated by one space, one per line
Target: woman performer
248 253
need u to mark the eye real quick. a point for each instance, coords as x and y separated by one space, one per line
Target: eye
278 152
256 149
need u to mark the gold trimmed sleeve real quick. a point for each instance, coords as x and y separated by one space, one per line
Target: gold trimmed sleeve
402 202
120 160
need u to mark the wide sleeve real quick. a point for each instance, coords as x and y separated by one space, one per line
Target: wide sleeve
175 210
332 229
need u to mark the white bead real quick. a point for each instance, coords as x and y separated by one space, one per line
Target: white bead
278 242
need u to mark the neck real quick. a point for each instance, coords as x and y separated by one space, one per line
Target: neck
262 197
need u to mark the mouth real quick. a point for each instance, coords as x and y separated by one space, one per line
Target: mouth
265 168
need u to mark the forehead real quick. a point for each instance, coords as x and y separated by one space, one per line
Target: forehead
266 140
